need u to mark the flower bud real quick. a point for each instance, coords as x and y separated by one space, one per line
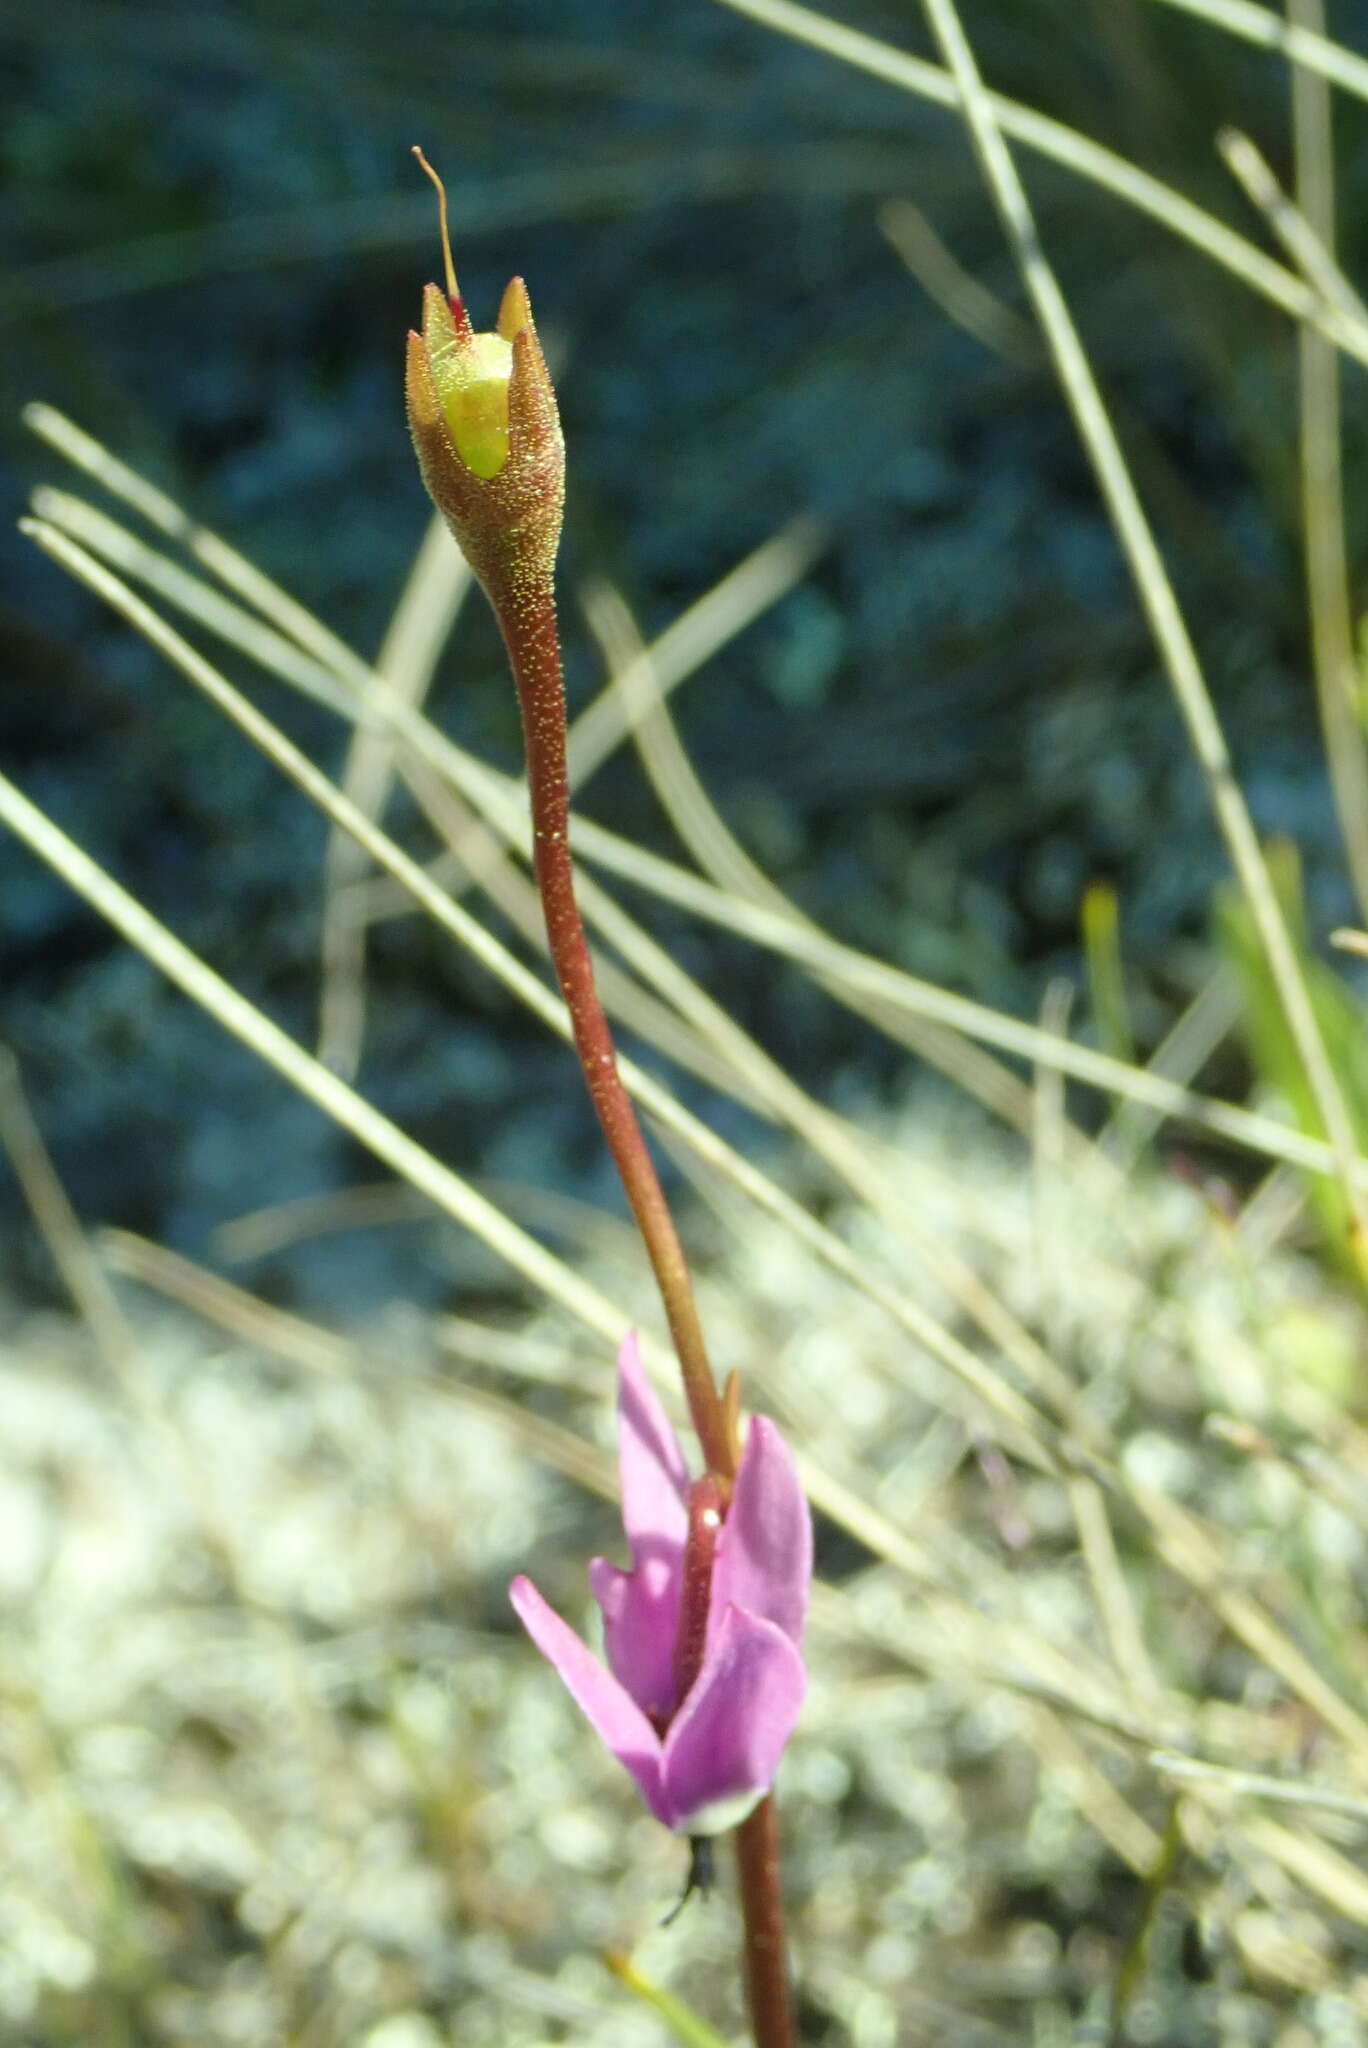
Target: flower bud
471 372
487 434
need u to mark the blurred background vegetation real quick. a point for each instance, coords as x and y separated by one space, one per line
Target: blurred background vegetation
955 724
285 1758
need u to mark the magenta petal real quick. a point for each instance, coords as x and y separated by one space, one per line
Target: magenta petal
655 1479
764 1554
640 1622
641 1607
724 1745
613 1715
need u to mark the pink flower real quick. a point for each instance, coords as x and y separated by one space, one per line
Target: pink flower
703 1635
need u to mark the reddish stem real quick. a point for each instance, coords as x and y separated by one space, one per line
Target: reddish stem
527 619
700 1554
762 1904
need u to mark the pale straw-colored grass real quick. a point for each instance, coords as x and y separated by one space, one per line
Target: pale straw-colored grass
1082 1442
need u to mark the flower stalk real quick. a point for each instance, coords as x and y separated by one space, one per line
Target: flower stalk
703 1634
488 438
768 1995
527 620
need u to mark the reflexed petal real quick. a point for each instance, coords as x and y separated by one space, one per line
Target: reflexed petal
764 1554
724 1745
615 1718
641 1607
655 1479
640 1622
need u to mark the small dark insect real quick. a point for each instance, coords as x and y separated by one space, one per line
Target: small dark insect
701 1878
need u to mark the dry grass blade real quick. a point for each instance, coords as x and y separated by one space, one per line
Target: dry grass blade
66 1242
273 652
1307 232
1130 1838
938 1633
718 853
1306 245
1190 1550
1333 1879
1257 1785
906 992
1179 1057
1064 145
954 289
1299 43
307 1346
1152 586
118 1346
231 568
850 1155
678 2020
1323 514
427 610
1047 1165
743 595
1015 1655
1184 1544
494 794
349 903
1110 1590
321 1086
261 1036
631 1001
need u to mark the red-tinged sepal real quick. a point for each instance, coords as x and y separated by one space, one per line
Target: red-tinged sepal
420 392
440 332
515 310
534 429
487 432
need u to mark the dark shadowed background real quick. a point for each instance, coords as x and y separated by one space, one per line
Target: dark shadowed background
215 240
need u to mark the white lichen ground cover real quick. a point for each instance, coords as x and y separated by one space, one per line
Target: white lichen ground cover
277 1766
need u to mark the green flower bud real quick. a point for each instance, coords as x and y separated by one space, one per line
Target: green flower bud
471 373
486 431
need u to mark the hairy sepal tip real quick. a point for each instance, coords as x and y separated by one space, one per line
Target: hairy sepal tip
515 310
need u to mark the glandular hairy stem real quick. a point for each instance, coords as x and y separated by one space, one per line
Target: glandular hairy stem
486 431
527 619
767 1979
